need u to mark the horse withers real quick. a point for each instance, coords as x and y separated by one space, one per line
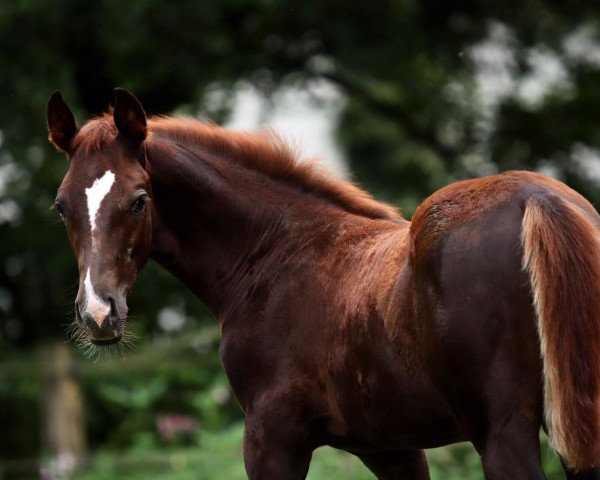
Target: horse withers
342 323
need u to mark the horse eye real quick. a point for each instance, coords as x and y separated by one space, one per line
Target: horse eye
139 204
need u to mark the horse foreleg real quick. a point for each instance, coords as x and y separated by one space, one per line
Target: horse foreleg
410 465
275 448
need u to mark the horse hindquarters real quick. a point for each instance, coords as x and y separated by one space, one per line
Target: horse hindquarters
482 335
478 332
562 256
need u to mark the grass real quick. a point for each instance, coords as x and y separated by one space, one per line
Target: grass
219 457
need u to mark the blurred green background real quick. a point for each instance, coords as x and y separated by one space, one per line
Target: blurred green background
407 95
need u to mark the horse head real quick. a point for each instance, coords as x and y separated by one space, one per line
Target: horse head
104 201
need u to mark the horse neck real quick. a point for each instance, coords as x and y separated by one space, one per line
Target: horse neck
217 224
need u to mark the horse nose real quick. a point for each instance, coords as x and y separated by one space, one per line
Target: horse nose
95 311
99 319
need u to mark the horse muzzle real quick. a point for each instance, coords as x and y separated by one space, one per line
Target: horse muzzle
101 320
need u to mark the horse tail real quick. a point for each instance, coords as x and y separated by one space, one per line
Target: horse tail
561 253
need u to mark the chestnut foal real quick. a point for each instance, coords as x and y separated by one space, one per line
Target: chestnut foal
342 323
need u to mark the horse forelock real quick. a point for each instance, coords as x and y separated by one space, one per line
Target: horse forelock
96 135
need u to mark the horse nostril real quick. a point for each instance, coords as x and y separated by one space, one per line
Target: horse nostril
113 306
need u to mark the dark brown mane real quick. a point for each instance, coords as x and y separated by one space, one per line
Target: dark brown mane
262 151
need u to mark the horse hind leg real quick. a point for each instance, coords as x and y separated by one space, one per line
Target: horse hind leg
513 452
405 465
500 413
481 345
589 475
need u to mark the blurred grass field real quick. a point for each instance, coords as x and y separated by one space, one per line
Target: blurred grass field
125 398
219 457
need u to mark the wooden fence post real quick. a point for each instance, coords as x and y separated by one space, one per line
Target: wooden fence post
63 431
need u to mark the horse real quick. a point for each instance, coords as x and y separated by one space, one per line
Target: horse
342 323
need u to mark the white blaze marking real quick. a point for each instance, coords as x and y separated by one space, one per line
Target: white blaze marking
93 304
96 193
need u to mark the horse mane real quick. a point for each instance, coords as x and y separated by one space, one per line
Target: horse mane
260 151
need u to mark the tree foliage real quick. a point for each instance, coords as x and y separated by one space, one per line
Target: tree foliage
418 77
434 92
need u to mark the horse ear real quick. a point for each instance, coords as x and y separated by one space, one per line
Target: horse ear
61 123
129 117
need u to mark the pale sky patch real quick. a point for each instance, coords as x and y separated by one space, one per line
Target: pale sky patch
305 117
